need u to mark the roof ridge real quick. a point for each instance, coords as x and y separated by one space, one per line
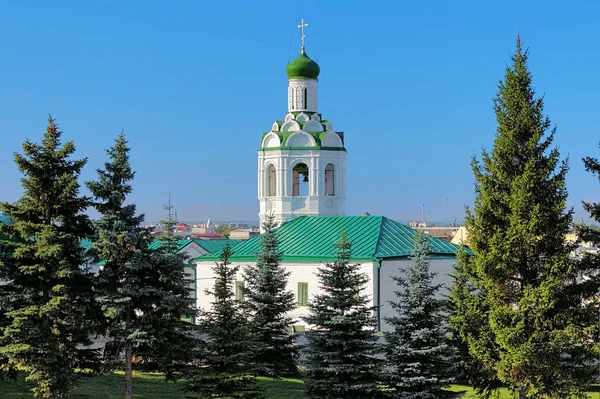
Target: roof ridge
379 235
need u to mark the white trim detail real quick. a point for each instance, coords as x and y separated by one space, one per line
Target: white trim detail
312 126
291 126
331 139
302 117
271 140
300 139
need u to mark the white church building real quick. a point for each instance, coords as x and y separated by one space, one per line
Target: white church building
302 182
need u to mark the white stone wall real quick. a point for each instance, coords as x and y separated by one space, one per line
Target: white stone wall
297 88
299 273
389 268
306 272
285 206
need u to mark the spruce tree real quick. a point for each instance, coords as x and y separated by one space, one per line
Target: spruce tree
417 349
342 345
48 298
122 245
225 369
268 303
142 291
173 333
538 335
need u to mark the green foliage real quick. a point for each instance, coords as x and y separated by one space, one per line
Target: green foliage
417 350
471 332
342 347
268 303
224 229
173 337
144 292
122 245
225 356
536 328
48 300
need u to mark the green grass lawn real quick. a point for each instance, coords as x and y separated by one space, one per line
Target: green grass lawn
145 385
153 386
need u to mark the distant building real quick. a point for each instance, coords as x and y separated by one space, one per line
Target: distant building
445 233
184 228
203 228
208 236
460 237
242 234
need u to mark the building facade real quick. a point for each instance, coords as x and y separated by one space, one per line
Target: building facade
380 245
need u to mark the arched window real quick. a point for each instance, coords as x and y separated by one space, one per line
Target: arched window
272 181
305 98
300 180
329 180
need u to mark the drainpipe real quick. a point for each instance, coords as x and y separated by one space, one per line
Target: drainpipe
379 263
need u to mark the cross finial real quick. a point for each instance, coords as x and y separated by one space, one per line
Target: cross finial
302 26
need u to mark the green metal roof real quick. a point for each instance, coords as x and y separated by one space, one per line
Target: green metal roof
313 238
180 244
208 245
86 244
215 245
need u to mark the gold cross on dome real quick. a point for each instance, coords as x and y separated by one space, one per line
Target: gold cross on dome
302 26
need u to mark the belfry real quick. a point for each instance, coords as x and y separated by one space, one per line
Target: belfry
302 160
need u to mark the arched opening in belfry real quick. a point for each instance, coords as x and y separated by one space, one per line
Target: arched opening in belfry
329 180
271 181
300 180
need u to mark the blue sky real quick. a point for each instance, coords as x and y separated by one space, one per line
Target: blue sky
195 83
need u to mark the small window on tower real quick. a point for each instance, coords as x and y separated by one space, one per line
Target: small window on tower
272 181
329 180
305 98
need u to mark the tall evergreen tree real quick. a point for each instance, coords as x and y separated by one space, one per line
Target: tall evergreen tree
49 298
417 349
136 285
342 347
537 332
122 245
173 333
225 356
268 303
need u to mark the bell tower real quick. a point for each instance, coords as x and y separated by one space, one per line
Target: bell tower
302 160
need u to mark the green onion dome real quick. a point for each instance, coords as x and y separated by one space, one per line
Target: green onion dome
303 68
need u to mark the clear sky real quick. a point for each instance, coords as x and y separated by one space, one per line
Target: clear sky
195 83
